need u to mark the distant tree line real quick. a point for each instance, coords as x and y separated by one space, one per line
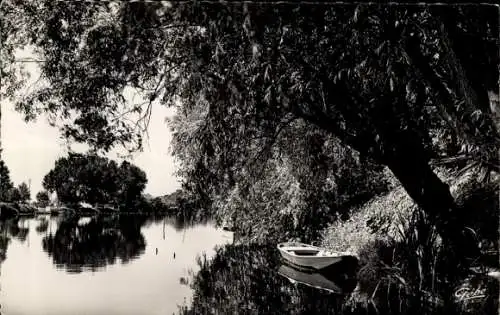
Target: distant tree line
96 180
9 192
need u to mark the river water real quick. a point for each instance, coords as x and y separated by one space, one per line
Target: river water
138 265
110 265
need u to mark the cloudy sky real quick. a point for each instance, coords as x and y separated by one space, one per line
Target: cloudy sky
30 150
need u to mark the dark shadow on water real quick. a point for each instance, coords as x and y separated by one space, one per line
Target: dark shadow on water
179 221
251 279
104 239
334 282
95 244
184 219
13 228
16 231
43 225
79 243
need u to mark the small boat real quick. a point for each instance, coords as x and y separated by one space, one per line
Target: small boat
309 256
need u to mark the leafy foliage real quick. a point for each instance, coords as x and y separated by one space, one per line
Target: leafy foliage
24 192
267 73
5 183
95 179
296 196
384 102
42 198
83 88
401 252
14 195
386 81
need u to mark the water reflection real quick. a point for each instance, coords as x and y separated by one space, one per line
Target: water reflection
17 228
77 243
183 220
14 228
42 226
95 242
4 243
248 279
48 263
339 283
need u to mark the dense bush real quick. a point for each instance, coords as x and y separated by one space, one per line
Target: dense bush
403 258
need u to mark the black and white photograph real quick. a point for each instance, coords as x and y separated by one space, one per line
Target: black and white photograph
249 157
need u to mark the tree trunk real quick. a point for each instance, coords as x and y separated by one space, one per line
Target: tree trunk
432 195
403 152
0 132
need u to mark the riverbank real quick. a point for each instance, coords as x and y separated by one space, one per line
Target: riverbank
398 251
14 209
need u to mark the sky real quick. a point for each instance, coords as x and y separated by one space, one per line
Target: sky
31 149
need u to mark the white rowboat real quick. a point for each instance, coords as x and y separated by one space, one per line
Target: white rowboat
309 256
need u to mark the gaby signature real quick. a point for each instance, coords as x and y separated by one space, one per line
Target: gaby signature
464 294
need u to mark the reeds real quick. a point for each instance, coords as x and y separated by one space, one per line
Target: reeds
404 265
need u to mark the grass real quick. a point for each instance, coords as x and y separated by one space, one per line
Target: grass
401 257
351 235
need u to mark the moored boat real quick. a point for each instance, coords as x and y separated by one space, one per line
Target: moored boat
309 256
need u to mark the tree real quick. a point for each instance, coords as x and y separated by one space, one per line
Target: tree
94 179
369 75
5 183
131 183
309 180
24 192
374 102
42 198
14 195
